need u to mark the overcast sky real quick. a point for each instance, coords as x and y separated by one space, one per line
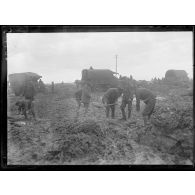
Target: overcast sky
61 56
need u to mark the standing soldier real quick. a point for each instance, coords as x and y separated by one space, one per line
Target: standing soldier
52 87
149 99
127 99
78 96
78 83
83 96
110 98
86 96
131 78
41 86
29 93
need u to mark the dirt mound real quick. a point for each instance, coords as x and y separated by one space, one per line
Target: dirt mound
173 123
165 117
78 140
170 115
27 141
89 140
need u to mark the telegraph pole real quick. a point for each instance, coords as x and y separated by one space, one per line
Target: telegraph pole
116 63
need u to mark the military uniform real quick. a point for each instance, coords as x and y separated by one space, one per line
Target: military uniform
148 98
110 98
83 96
52 87
127 99
29 93
41 86
78 95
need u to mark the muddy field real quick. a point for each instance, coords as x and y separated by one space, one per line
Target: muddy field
59 137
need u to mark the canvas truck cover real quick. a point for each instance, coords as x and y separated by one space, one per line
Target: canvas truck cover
21 77
17 80
176 75
99 76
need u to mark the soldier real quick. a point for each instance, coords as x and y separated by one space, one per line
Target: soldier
78 83
149 99
110 98
78 95
52 87
83 96
127 99
41 86
131 78
86 96
29 93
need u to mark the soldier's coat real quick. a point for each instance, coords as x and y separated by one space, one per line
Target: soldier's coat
148 98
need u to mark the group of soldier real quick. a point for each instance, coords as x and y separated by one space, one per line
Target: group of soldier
127 89
26 104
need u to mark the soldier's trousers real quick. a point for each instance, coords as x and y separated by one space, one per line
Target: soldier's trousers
112 108
123 106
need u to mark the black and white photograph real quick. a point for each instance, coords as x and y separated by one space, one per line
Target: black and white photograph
100 97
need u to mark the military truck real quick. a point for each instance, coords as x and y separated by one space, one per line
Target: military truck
176 77
100 79
17 81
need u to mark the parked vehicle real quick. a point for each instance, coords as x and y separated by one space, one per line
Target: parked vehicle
17 81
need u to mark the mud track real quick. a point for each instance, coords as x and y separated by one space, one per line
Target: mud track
60 137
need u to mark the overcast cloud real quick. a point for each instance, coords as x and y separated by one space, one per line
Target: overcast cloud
62 56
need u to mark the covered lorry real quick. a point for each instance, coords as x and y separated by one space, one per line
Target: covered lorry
100 79
18 80
176 77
